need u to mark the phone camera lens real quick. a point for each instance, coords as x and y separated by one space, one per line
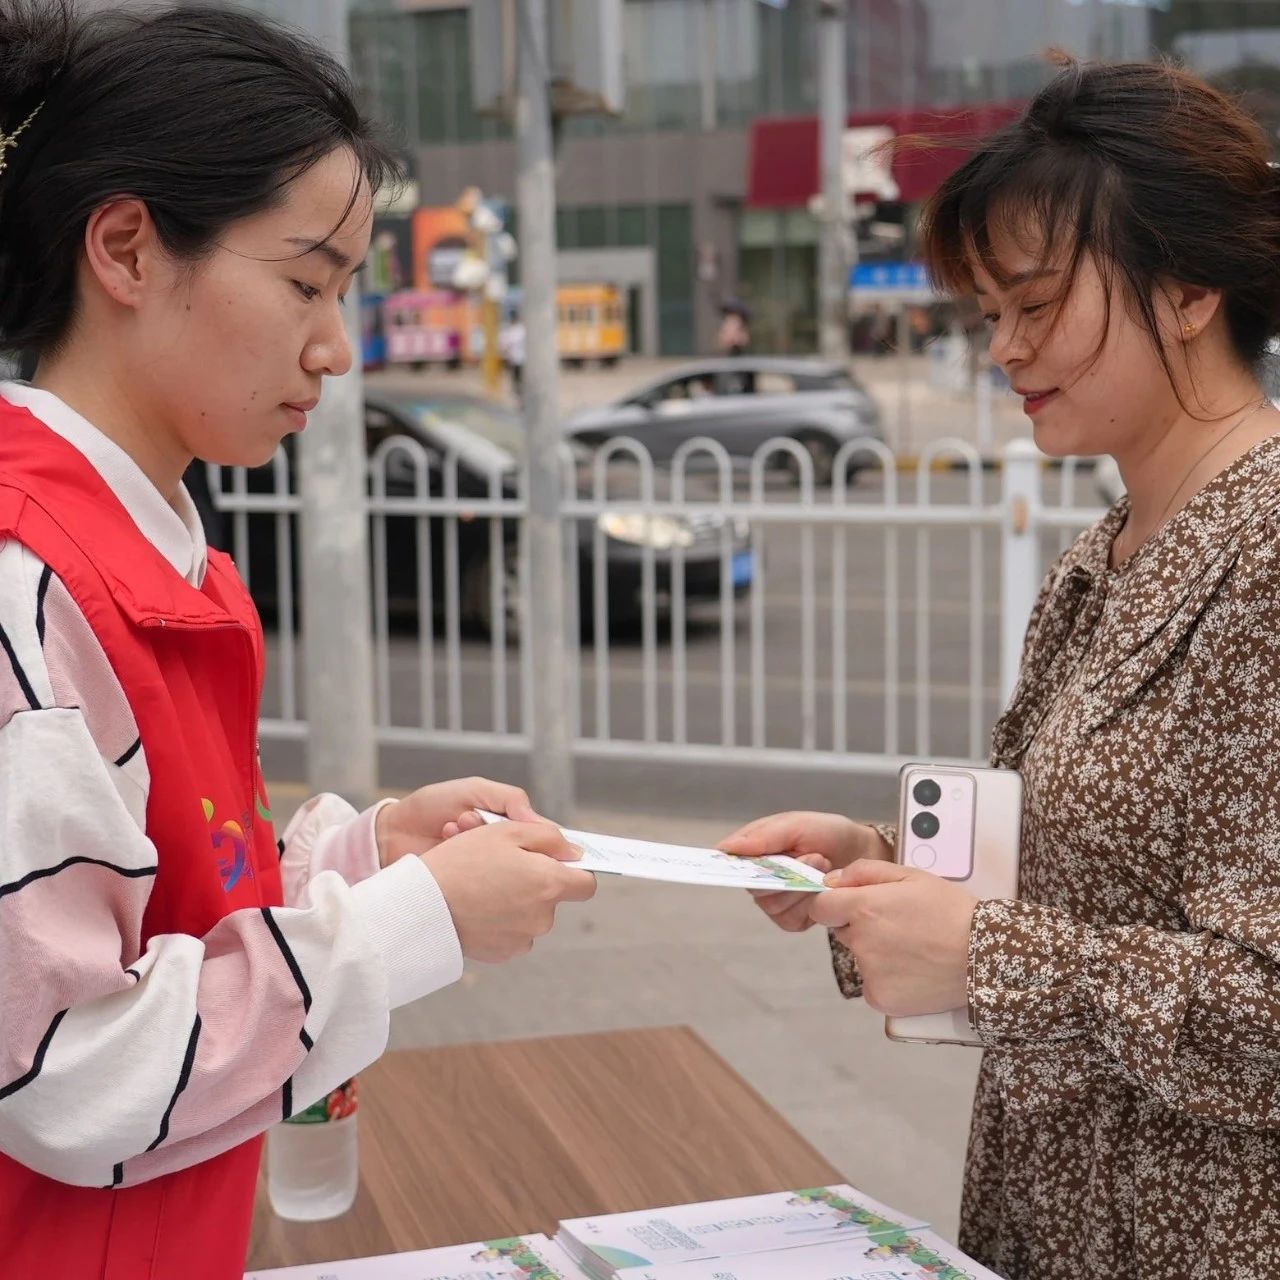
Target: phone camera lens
927 792
925 825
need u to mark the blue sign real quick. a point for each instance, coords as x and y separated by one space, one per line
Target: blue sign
905 276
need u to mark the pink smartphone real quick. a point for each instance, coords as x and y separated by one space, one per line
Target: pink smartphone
964 825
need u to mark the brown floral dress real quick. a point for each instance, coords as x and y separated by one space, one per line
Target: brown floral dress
1127 1117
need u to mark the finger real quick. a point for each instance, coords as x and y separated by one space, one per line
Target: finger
544 837
816 861
774 834
449 830
796 919
774 904
869 871
579 886
502 797
468 821
833 909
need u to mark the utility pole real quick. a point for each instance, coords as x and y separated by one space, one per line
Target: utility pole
833 264
332 468
552 739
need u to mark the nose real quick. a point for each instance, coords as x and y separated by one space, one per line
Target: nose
329 352
1009 346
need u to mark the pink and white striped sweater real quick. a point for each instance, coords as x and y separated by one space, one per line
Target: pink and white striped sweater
73 786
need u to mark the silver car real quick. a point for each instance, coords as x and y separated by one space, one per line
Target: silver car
742 402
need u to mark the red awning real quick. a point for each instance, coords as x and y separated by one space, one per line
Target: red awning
784 152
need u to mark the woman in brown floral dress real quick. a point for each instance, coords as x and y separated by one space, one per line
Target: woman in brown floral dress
1123 239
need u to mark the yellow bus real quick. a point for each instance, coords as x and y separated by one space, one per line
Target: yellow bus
591 324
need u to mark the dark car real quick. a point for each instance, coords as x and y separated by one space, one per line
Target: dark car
741 402
488 439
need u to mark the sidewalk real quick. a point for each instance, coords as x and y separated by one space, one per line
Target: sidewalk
893 1118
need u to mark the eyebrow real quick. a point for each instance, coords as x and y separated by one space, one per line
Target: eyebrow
1023 277
338 259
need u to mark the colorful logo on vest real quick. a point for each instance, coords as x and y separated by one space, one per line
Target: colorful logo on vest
230 842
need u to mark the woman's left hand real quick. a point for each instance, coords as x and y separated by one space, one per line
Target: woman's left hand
908 930
431 814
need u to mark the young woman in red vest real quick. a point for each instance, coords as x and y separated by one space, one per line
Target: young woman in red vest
184 197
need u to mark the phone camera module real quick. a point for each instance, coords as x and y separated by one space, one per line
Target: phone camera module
927 792
925 825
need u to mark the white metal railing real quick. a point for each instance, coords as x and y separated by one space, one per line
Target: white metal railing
881 621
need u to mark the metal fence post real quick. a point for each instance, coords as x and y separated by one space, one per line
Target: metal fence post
1019 555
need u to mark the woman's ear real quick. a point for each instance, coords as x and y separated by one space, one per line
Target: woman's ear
1191 309
122 250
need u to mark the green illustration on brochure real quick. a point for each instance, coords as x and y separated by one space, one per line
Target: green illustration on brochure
900 1245
888 1239
520 1254
856 1215
780 870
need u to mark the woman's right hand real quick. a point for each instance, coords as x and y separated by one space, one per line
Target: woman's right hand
827 841
503 883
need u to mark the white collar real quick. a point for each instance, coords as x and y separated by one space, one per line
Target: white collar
174 530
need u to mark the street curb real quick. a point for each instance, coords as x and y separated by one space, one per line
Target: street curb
910 465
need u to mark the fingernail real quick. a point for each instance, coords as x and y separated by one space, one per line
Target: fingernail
831 878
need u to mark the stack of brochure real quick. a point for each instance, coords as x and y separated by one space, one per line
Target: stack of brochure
628 1246
517 1258
899 1255
818 1233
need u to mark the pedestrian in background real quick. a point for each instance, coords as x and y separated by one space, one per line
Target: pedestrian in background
734 336
172 981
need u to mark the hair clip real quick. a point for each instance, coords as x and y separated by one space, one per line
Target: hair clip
8 140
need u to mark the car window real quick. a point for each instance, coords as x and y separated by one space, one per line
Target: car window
771 383
493 423
824 382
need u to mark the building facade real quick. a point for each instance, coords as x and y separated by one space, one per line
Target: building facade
700 189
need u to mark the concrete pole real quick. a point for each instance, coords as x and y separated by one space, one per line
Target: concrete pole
707 20
338 668
551 765
833 267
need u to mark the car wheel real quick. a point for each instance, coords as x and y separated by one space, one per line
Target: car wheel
475 603
821 456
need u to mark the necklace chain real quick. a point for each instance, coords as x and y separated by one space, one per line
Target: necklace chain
1164 516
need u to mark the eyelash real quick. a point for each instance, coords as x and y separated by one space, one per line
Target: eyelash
1034 309
310 293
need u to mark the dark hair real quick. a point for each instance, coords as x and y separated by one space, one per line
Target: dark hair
1144 165
205 114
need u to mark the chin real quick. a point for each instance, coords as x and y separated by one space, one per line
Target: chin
1061 442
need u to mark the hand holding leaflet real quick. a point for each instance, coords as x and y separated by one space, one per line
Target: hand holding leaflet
685 864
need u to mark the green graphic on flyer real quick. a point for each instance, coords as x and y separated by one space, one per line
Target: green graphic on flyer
888 1239
785 874
520 1254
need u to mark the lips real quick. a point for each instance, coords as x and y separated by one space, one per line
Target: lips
302 406
1033 400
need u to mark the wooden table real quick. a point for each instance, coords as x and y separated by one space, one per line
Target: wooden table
478 1141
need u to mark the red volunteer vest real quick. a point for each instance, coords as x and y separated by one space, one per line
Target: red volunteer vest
190 662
